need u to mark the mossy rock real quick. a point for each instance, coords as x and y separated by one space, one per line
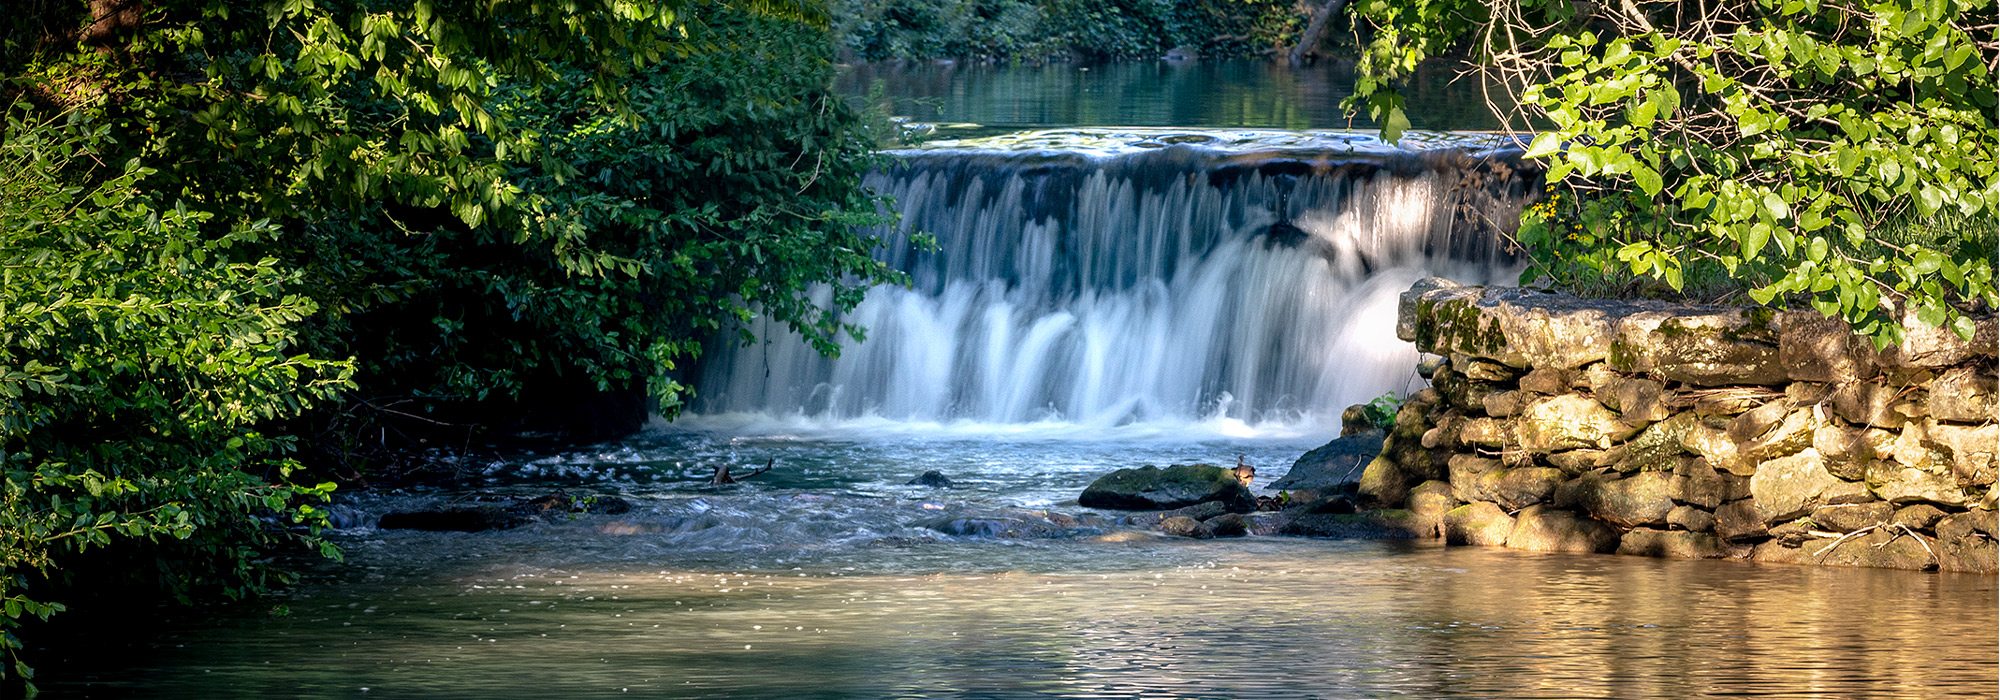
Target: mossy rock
1177 486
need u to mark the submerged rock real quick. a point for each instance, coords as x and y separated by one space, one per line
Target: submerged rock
1477 524
1177 486
1017 524
1545 529
1198 511
933 478
1228 525
1184 526
1367 525
473 519
1679 544
498 516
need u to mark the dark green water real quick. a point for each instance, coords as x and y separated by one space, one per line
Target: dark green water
1212 94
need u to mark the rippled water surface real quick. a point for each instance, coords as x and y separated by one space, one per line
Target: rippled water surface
831 578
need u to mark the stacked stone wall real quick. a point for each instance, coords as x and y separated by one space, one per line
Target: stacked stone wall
1560 424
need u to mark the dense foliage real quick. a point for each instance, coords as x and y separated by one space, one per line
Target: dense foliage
141 357
1057 30
242 238
1832 153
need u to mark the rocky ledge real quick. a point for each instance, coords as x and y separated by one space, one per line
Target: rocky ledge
1564 424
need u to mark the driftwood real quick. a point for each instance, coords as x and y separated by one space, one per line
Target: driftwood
722 475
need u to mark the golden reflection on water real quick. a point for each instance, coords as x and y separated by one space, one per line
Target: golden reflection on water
1260 618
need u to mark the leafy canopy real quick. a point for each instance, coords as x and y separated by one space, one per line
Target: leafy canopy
238 235
1834 153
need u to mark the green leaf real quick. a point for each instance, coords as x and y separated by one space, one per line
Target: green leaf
1394 125
1544 144
1647 179
1753 240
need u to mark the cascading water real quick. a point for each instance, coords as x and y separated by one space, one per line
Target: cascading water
1107 278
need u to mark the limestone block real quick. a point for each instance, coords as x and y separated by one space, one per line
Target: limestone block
1966 542
1815 348
1407 303
1719 348
1977 555
1900 484
1775 552
1881 549
1662 442
1637 400
1925 345
1485 432
1647 542
1852 516
1846 451
1691 519
1503 404
1574 462
1477 524
1411 421
1730 401
1569 422
1713 446
1738 520
1511 489
1547 381
1788 437
1428 502
1515 326
1483 371
1545 529
1917 516
1972 450
1754 423
1868 403
1913 448
1638 500
1807 393
1708 487
1790 487
1384 481
1965 394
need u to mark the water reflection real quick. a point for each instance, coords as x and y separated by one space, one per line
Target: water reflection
1222 94
1259 618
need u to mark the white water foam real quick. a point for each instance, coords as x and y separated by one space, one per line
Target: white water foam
1169 291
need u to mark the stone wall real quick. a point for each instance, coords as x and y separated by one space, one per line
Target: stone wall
1560 424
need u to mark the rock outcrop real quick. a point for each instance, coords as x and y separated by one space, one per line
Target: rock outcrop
1555 423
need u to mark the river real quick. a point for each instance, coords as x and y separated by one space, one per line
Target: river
1124 275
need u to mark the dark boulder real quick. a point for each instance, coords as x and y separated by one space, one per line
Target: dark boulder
474 519
1328 467
1177 486
933 478
1228 525
1184 526
503 516
1366 525
1198 511
1017 524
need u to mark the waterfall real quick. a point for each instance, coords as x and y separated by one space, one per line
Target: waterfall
1180 282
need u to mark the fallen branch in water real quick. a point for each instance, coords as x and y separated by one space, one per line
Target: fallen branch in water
722 475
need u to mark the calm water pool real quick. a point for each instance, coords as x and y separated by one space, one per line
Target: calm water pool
836 580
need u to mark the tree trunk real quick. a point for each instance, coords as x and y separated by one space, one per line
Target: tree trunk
1315 30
